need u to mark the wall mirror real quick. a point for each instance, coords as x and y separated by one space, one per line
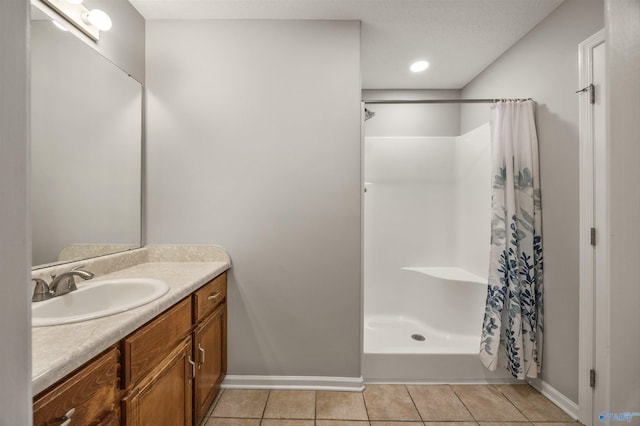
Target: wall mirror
86 149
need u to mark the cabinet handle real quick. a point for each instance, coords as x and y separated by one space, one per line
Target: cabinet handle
214 296
67 417
202 352
193 367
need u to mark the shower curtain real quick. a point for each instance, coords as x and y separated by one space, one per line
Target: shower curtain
513 320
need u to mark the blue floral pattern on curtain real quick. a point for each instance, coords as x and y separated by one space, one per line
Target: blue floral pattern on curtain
513 321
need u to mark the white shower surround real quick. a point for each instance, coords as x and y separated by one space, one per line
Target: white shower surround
427 231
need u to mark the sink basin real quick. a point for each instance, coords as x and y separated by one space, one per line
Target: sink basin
98 299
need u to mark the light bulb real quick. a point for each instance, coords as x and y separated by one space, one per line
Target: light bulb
419 66
98 19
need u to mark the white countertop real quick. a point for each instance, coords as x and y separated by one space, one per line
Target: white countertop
60 349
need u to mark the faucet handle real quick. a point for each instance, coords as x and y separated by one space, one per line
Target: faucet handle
41 291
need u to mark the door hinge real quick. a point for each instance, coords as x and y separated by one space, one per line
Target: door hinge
592 378
593 236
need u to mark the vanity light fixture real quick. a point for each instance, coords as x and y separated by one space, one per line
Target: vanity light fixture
98 19
419 66
90 22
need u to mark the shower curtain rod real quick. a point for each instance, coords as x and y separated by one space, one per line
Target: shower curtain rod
443 101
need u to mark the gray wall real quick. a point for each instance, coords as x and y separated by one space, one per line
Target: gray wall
124 43
254 144
543 65
413 119
623 66
15 249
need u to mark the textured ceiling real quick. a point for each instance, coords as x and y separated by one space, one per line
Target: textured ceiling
458 37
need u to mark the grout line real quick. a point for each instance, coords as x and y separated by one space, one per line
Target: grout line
514 405
264 410
509 401
237 417
340 419
315 404
414 403
366 409
465 405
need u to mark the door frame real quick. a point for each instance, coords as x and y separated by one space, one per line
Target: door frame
591 294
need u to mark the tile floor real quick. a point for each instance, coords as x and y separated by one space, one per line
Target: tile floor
389 405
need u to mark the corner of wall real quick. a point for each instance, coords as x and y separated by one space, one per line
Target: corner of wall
15 257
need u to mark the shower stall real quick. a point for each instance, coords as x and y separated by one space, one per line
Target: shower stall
427 217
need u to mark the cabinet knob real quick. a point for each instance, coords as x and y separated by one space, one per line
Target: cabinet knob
214 296
67 417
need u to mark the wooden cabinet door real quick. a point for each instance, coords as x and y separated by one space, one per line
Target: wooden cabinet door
111 419
210 348
164 396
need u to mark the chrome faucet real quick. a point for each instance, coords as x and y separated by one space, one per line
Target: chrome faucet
66 282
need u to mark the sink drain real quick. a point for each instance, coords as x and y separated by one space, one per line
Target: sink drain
418 337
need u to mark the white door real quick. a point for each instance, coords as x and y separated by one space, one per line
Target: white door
594 298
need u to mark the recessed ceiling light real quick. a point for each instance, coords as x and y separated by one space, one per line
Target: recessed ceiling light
419 66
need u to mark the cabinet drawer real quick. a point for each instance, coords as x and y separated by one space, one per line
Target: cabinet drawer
210 296
145 348
91 391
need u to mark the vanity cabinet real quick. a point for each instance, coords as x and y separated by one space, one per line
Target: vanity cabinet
167 372
87 397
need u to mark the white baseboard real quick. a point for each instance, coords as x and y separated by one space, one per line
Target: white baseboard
567 405
348 384
502 381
